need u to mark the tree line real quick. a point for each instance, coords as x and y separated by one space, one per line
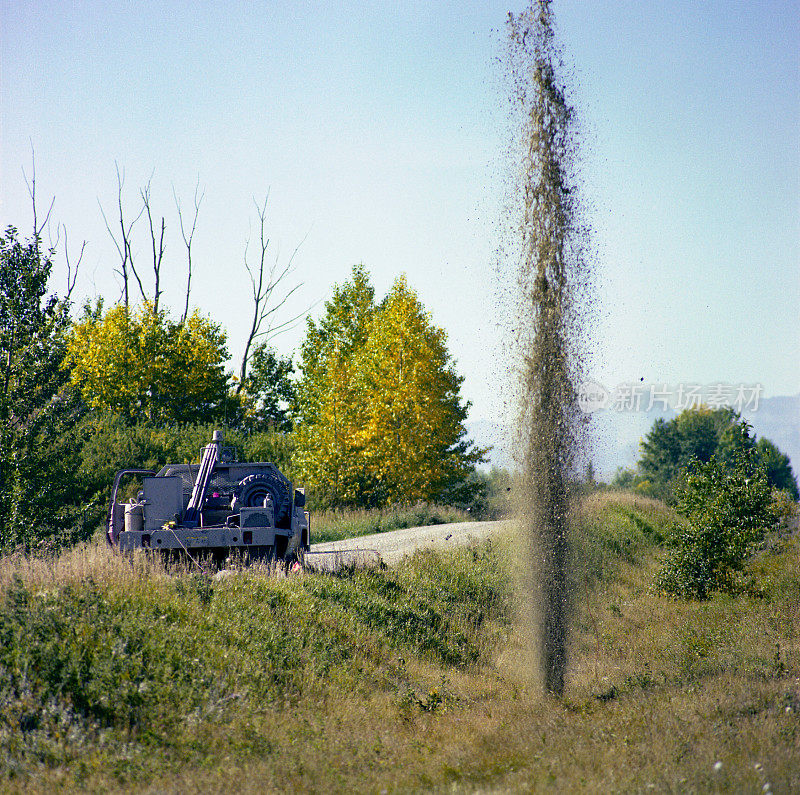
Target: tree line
369 415
698 435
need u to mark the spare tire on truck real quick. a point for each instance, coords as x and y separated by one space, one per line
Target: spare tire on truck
255 488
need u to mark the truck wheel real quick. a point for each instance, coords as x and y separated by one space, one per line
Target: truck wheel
255 488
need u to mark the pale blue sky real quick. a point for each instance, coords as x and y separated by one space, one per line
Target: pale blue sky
380 130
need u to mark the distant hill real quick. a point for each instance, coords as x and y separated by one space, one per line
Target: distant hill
615 435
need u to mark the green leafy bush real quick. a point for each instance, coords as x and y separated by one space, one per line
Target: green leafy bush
38 411
727 509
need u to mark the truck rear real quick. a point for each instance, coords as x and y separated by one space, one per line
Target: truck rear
216 509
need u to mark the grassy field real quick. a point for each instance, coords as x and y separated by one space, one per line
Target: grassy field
126 678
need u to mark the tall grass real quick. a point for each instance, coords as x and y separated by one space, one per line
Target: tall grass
615 527
101 658
122 676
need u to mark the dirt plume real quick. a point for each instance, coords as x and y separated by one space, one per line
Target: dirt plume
552 279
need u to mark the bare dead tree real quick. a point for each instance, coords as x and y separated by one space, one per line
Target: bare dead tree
158 249
123 245
72 275
187 240
265 281
31 185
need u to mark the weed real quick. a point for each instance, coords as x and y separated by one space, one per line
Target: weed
611 528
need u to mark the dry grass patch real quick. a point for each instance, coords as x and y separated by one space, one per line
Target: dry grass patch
403 680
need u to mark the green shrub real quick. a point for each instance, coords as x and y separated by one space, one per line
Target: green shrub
728 508
116 661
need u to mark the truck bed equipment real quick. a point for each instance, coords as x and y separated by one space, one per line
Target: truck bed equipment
215 509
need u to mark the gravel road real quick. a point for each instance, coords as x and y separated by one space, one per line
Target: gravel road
391 547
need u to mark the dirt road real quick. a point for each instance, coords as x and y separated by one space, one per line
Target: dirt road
393 546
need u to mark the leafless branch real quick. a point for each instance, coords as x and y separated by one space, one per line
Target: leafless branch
124 245
54 244
264 283
31 185
72 276
158 249
187 240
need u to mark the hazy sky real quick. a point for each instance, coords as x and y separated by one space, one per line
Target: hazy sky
380 131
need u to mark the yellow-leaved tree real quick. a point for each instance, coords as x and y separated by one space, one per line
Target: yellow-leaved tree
329 413
144 366
380 416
